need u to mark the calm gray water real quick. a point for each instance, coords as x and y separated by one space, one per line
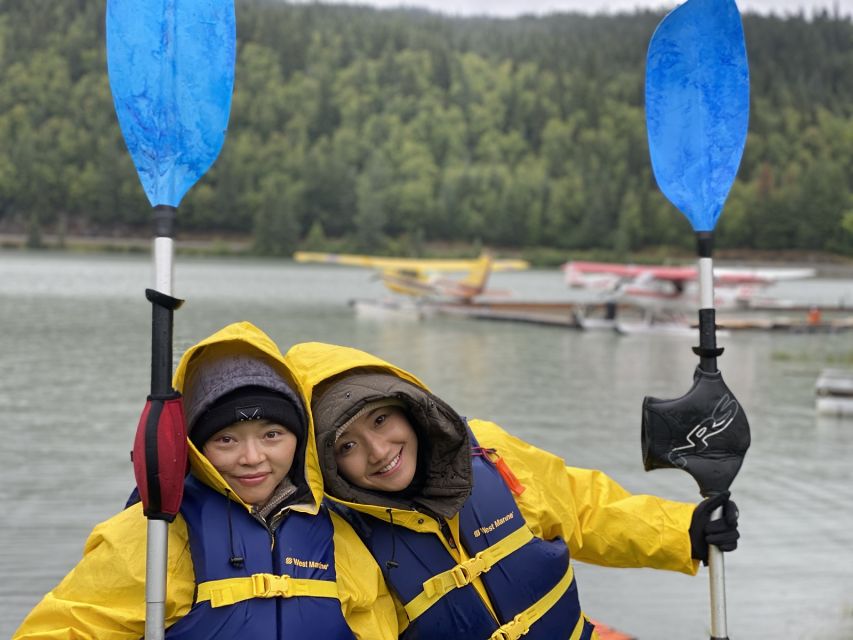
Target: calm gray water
74 348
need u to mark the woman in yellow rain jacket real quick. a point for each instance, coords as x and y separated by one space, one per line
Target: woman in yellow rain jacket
252 553
474 529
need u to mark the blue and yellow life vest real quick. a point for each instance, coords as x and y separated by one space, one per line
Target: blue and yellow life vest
529 581
285 586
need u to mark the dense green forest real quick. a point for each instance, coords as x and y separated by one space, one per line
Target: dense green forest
387 130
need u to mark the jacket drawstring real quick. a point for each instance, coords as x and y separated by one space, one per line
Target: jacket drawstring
235 560
391 564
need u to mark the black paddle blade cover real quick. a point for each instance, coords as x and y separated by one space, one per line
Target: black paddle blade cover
705 432
160 456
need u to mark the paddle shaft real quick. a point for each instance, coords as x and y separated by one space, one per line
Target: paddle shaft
708 352
161 384
717 577
155 579
707 349
163 250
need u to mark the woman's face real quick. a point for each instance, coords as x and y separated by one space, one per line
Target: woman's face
253 457
379 451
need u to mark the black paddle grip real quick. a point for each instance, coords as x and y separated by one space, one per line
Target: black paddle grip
162 312
708 351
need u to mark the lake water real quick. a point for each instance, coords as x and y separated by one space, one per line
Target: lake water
75 343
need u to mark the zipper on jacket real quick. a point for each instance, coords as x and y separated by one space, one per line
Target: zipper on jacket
443 527
445 531
271 526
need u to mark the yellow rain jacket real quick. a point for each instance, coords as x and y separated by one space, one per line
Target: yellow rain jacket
103 597
600 521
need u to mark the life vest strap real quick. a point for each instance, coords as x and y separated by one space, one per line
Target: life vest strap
228 591
465 572
521 623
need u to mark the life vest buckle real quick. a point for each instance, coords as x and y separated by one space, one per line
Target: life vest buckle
467 571
266 585
512 630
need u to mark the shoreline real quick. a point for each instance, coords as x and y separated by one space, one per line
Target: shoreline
214 245
826 265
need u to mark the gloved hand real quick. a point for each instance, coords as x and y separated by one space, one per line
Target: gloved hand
722 533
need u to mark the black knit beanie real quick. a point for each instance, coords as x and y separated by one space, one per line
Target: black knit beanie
243 404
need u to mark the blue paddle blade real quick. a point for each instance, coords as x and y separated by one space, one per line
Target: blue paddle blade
171 71
697 106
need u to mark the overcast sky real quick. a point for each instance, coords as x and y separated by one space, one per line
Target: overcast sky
508 8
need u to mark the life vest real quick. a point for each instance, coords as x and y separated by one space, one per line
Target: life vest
285 587
529 581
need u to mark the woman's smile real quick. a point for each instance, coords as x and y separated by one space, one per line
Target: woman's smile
392 466
253 479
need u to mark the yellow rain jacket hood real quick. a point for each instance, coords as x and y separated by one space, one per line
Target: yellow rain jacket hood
103 596
600 521
201 382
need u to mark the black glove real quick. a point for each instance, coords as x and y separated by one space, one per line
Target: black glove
721 533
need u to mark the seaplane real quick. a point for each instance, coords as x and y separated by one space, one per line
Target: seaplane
419 282
667 295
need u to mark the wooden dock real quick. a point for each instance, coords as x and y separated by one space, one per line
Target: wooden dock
798 324
572 316
557 314
599 316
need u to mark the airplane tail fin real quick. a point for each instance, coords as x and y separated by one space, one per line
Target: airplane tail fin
479 274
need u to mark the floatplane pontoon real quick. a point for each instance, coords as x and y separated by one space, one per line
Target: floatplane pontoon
834 392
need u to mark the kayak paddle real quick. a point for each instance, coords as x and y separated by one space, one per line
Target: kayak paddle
697 112
171 70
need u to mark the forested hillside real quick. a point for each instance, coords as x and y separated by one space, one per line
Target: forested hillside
389 129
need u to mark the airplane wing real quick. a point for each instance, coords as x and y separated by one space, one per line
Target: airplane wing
760 276
576 271
419 265
631 271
